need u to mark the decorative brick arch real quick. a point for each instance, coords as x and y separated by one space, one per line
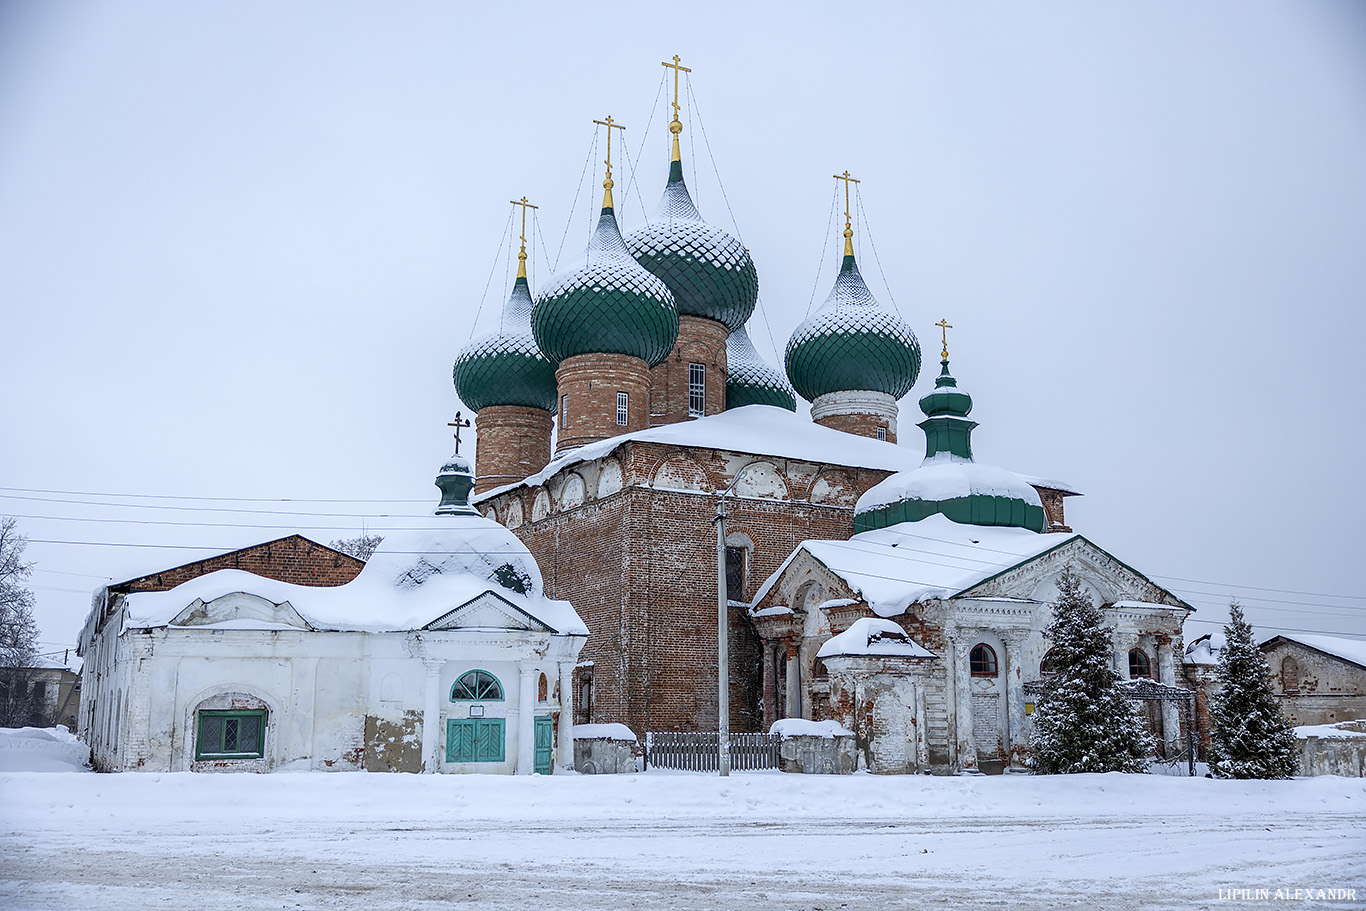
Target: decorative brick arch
680 471
762 480
834 488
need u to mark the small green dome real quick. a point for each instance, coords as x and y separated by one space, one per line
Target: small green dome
751 381
505 367
946 399
606 303
709 272
851 344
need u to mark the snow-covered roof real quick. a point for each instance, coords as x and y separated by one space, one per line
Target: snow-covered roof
614 731
754 429
1341 730
1050 483
1205 650
892 568
369 603
1353 650
876 638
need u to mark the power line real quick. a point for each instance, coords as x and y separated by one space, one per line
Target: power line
153 496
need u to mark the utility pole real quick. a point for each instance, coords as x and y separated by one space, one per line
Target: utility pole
722 652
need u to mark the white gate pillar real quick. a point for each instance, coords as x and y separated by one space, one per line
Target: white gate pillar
526 719
431 716
565 747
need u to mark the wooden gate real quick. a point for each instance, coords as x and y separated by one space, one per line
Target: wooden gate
692 751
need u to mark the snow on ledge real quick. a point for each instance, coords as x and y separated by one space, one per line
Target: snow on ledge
878 638
603 732
776 611
1338 731
800 727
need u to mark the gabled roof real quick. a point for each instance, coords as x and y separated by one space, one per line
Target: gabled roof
1349 650
272 559
892 568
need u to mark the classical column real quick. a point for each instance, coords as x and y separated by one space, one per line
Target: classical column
967 747
431 716
565 748
794 685
1015 698
770 683
1166 674
526 723
1123 642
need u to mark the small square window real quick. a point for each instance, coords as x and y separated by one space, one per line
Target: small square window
623 405
697 389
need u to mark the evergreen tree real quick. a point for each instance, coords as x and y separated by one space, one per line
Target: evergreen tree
1249 738
1083 722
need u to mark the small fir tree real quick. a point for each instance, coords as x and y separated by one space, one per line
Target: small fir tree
1248 737
1083 722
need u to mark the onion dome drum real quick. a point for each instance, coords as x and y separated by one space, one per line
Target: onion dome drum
750 380
506 367
605 303
852 344
709 272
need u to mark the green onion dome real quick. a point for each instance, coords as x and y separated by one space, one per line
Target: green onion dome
946 399
505 367
852 344
948 482
606 303
709 272
751 381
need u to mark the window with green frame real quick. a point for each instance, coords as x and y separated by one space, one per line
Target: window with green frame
477 686
231 734
474 739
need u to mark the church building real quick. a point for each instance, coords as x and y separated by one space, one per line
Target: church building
441 653
615 409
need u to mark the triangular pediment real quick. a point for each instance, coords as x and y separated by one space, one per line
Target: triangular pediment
1106 578
488 611
241 609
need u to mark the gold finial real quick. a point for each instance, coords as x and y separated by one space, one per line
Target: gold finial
848 229
521 254
676 125
943 324
607 183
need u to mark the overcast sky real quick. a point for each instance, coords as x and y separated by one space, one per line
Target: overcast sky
241 244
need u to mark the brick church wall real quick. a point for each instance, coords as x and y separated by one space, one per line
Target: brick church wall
293 559
639 565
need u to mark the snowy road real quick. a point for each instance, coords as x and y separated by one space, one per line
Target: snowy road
308 840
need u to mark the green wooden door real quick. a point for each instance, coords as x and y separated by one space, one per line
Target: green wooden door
545 746
474 740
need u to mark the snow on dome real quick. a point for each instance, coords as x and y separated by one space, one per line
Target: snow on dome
852 344
750 380
605 303
505 367
878 638
709 272
967 492
464 544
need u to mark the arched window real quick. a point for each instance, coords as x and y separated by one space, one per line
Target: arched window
542 689
477 686
1139 665
982 661
1290 675
1049 665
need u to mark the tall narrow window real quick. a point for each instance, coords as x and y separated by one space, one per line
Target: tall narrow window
882 433
564 410
623 405
697 389
735 573
1139 666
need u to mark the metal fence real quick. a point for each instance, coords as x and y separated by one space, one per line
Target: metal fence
698 751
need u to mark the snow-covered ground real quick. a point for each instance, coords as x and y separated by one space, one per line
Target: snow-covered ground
72 840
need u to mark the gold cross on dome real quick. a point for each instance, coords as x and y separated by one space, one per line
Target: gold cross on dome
457 424
521 255
944 326
847 181
610 127
677 69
